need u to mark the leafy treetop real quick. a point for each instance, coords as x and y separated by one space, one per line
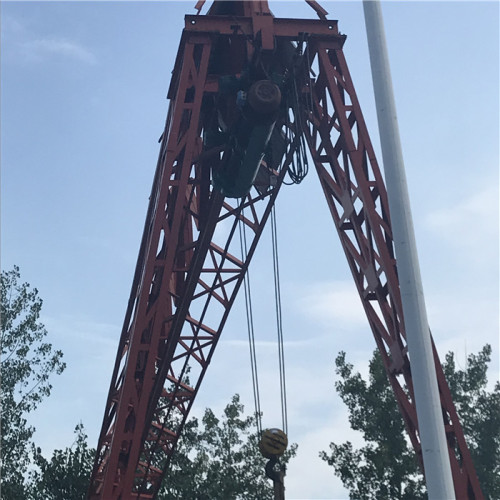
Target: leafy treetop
28 361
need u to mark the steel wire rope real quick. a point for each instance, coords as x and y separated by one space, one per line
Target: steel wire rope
301 153
250 326
299 166
279 321
309 97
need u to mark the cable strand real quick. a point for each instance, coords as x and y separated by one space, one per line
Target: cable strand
279 321
250 327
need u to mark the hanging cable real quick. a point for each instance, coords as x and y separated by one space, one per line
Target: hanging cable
309 97
250 328
279 321
297 104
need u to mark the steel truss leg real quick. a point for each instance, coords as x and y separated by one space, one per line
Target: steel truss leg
185 284
356 195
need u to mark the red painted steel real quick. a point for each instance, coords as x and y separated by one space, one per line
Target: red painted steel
355 192
188 274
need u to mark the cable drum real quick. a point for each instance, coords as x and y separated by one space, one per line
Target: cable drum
264 96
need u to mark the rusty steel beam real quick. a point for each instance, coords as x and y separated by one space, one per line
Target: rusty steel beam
356 195
142 336
184 286
283 27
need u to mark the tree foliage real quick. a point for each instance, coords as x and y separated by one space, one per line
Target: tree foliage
479 412
386 467
66 475
216 459
28 361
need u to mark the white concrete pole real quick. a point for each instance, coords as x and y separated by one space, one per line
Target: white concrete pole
430 420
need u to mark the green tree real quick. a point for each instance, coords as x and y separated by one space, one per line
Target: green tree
28 361
386 467
220 459
66 475
479 411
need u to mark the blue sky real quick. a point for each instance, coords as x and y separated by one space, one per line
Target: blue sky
83 105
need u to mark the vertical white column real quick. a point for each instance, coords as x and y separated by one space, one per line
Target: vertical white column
430 420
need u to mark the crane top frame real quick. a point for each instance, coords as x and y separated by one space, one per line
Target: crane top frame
188 275
249 8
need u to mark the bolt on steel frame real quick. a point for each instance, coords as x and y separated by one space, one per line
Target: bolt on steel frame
190 268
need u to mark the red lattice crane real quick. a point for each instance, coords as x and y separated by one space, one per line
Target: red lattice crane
249 93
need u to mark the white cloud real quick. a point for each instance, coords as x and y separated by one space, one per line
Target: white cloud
78 328
334 302
321 483
473 221
464 323
462 297
43 48
21 44
11 26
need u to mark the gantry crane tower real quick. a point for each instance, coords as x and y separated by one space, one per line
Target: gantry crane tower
249 94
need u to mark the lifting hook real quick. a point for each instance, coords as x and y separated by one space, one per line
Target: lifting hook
272 445
277 477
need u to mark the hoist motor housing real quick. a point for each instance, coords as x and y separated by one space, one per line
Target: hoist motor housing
254 114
